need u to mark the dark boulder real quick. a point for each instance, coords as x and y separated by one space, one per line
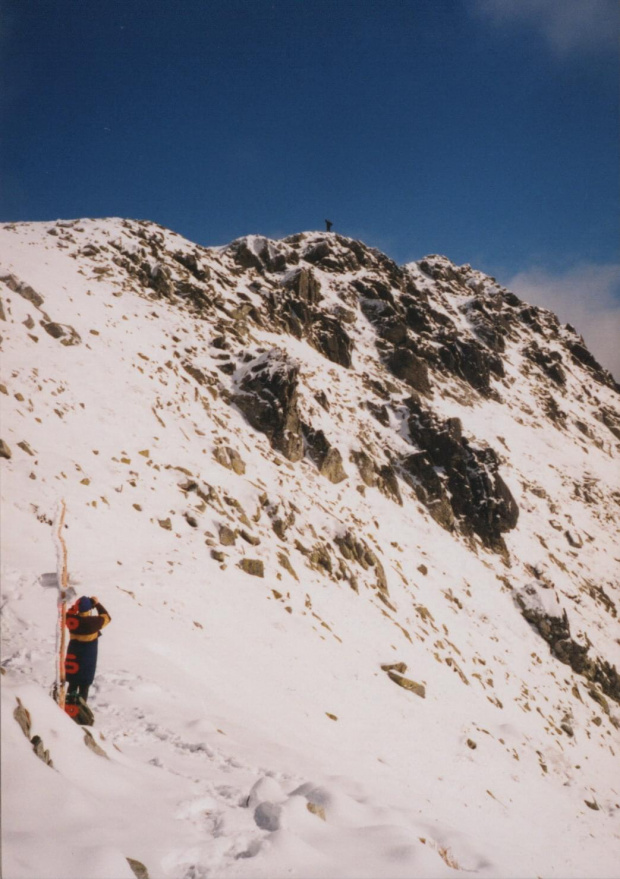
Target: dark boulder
380 412
334 253
610 419
25 290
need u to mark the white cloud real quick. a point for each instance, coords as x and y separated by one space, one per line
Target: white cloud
569 26
587 297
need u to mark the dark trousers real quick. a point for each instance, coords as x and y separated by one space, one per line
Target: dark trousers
79 690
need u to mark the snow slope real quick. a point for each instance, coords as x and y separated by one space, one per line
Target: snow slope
249 729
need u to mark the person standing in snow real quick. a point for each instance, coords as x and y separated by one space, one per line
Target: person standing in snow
81 659
328 225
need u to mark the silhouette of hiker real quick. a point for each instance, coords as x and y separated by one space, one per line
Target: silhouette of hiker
328 225
81 660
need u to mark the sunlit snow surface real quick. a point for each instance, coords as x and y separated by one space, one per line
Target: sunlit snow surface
251 732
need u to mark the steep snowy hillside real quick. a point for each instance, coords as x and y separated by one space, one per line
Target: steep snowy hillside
357 528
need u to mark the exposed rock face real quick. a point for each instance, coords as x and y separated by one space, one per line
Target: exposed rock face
553 626
5 451
295 307
331 339
471 485
268 399
327 458
303 283
410 368
419 471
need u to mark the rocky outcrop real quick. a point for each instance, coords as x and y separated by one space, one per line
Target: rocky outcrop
23 718
548 361
229 458
582 356
327 458
227 536
91 744
366 467
303 284
470 483
261 254
418 471
410 368
138 868
330 338
295 308
65 334
407 683
355 549
23 289
551 622
254 567
268 399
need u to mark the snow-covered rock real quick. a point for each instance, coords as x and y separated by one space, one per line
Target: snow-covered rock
423 469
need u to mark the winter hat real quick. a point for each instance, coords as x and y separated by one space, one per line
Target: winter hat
84 604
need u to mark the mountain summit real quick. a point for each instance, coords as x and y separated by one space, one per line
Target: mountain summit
357 528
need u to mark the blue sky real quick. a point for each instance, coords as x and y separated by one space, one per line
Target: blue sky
486 130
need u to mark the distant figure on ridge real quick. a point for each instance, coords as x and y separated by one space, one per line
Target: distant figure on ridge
328 225
81 660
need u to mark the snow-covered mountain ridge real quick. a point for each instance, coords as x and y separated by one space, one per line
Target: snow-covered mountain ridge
298 475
